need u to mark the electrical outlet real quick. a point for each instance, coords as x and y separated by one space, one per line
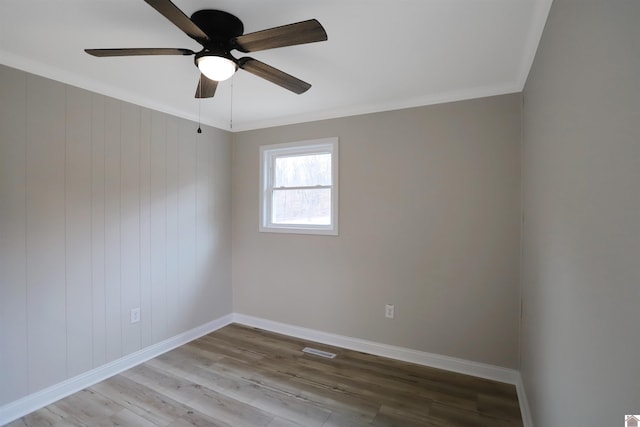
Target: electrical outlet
135 315
389 311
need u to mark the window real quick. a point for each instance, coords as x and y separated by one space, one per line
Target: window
299 187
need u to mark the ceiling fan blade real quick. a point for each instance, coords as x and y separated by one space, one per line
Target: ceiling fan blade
287 35
274 75
179 19
206 87
138 51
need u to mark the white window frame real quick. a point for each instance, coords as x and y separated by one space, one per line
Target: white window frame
268 154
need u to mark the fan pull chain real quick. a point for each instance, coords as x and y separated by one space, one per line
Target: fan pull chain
199 102
231 107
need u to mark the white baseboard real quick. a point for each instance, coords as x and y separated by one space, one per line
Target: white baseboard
448 363
462 366
21 407
39 399
524 403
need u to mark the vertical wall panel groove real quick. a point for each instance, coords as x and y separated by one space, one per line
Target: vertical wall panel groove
91 276
65 247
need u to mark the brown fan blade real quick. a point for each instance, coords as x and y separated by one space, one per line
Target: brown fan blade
137 52
287 35
274 75
179 19
206 87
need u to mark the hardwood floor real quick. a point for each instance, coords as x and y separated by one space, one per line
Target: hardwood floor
240 376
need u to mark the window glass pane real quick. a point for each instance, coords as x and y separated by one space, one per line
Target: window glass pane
308 206
303 171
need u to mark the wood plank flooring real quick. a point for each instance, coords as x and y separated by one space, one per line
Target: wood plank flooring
241 376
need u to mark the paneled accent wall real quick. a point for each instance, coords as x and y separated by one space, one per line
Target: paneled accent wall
104 207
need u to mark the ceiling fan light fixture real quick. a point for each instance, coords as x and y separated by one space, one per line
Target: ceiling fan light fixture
219 33
216 67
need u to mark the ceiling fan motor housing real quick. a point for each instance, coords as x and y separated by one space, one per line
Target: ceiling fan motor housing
220 26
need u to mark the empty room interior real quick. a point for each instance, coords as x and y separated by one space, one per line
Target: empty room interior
476 231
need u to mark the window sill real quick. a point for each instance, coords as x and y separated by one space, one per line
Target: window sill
299 230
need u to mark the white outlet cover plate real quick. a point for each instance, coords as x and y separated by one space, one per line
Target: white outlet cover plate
389 311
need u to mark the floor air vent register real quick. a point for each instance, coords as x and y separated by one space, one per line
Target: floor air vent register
317 352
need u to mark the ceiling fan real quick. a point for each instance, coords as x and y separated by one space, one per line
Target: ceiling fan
219 33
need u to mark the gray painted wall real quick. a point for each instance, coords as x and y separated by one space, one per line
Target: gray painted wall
104 206
429 221
581 237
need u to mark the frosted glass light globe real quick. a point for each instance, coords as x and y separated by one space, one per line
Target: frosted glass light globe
216 67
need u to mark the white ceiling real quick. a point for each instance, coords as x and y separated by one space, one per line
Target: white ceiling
381 54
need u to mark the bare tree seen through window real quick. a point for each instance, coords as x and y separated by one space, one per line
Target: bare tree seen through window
301 191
